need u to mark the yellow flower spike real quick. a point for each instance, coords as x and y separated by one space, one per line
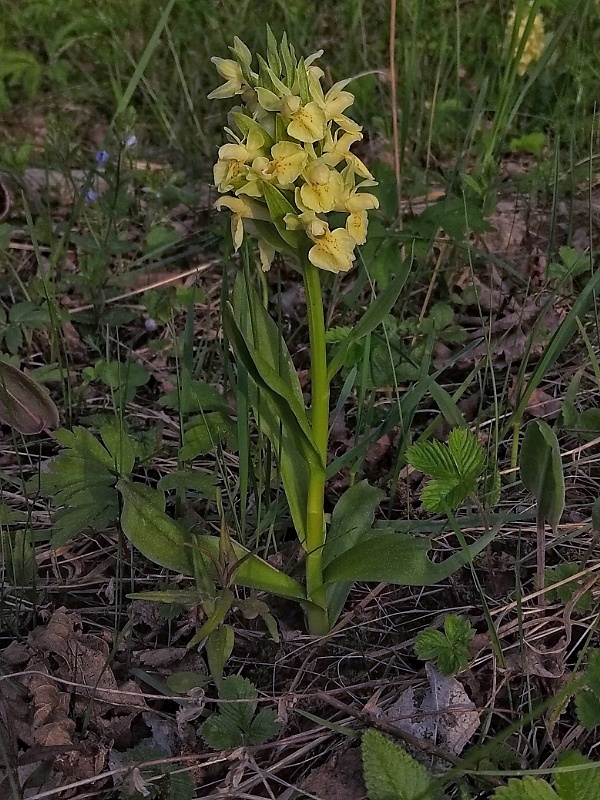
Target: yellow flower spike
534 46
322 191
242 209
333 250
234 80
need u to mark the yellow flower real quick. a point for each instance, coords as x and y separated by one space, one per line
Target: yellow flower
288 162
337 149
322 191
332 250
534 46
232 160
266 252
357 222
307 122
242 209
234 80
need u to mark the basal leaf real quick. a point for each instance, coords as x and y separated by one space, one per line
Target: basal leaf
152 532
252 571
24 405
400 559
351 518
542 471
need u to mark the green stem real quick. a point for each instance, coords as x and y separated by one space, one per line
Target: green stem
315 522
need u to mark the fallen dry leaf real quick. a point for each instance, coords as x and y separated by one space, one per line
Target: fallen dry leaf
444 714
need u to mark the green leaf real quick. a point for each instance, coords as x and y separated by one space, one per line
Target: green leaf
542 471
219 646
291 411
120 445
192 397
151 531
390 773
202 434
372 317
24 405
263 727
566 592
352 517
577 784
398 558
252 571
279 206
257 326
184 479
235 724
184 682
450 649
454 467
526 789
588 701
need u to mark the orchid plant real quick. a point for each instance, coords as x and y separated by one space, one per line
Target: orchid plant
287 167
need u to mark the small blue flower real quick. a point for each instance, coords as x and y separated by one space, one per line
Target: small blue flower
91 196
131 141
102 157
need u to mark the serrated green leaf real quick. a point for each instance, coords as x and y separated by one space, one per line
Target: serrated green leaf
581 784
542 471
243 704
442 493
151 531
183 479
433 459
390 773
263 727
221 733
527 788
429 643
467 453
588 709
458 630
121 447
